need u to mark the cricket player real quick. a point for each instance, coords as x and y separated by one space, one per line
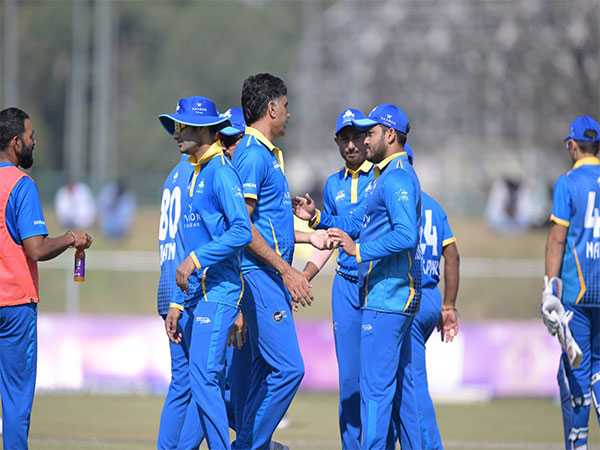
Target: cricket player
389 282
343 193
437 240
271 282
573 278
216 226
174 205
23 242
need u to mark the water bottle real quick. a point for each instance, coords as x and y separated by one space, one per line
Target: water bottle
79 268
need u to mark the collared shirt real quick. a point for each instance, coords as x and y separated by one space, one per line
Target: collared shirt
173 207
260 166
215 230
576 205
343 194
388 228
436 234
24 214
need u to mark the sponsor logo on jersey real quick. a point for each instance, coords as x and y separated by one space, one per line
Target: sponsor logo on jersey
278 316
340 196
203 320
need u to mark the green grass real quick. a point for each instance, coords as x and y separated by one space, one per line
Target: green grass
76 422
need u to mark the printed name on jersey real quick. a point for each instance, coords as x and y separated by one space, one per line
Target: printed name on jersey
341 195
167 252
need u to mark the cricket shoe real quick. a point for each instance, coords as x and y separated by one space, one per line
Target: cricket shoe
278 446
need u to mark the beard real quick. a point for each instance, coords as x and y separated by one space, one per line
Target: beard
25 158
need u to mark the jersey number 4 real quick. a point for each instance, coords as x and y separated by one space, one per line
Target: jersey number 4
170 212
592 216
430 234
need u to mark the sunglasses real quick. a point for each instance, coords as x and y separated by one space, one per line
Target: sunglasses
179 127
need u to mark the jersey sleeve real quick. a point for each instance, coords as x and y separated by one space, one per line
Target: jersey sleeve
401 201
447 234
328 198
252 169
561 202
29 215
228 192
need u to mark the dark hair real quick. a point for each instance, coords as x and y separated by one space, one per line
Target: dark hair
12 123
257 91
588 147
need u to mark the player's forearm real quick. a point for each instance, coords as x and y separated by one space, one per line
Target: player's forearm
301 237
397 240
43 248
351 224
316 262
555 247
451 275
310 270
263 251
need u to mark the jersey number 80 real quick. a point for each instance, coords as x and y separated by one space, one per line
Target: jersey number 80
170 212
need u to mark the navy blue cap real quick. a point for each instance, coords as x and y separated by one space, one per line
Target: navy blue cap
388 115
193 111
347 117
235 116
584 128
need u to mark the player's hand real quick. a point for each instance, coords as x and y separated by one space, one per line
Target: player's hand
237 333
81 240
298 286
172 325
183 272
552 307
448 326
320 240
304 207
342 239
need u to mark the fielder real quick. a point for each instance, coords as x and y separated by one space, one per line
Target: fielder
217 227
389 281
343 194
436 240
572 280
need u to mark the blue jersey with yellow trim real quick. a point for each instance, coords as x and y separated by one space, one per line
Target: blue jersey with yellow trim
260 166
387 226
576 205
216 228
170 244
435 235
343 194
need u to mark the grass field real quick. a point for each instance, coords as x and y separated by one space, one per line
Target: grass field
130 423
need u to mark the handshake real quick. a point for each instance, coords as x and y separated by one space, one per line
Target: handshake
332 238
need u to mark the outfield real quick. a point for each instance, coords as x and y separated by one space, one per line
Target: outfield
130 423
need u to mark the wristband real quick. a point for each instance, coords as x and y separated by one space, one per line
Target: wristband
176 306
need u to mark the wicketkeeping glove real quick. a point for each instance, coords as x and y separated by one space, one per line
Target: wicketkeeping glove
551 304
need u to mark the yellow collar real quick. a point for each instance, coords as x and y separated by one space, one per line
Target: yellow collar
364 167
383 164
587 161
213 150
261 137
267 143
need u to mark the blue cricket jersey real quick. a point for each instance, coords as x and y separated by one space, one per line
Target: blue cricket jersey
576 205
435 235
173 205
216 228
388 229
260 166
24 214
343 194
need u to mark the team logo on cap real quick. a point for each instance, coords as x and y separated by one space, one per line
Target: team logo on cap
590 134
348 115
198 108
227 113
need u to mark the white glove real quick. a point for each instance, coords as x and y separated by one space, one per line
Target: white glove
568 344
552 307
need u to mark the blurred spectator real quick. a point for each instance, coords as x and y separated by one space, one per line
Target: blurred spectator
514 206
116 207
75 206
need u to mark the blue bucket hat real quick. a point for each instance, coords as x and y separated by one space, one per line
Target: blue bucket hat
235 116
193 111
584 128
347 117
387 115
